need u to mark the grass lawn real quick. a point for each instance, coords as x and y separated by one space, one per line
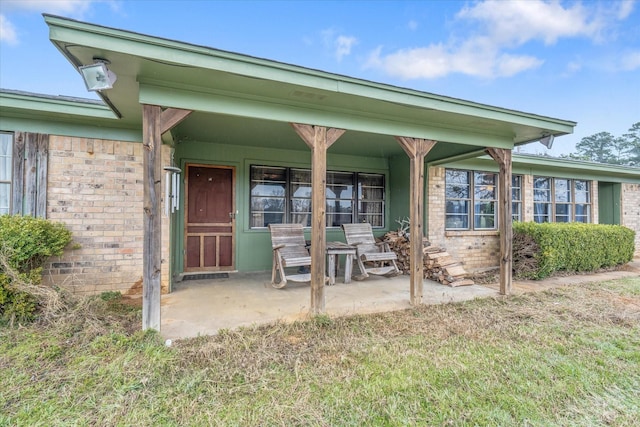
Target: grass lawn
565 357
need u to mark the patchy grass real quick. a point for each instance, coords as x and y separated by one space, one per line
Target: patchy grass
569 356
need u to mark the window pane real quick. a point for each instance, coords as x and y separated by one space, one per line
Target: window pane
280 194
6 144
339 205
457 214
339 212
457 184
541 189
563 212
484 186
583 213
268 189
516 188
582 191
516 213
5 194
371 199
485 215
562 190
542 212
541 183
300 183
300 202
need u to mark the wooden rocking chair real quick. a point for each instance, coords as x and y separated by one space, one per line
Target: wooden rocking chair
371 252
289 250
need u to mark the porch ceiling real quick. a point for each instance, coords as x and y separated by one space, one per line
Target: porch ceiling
242 131
249 101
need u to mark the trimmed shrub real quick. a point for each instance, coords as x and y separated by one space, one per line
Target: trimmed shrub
540 250
25 244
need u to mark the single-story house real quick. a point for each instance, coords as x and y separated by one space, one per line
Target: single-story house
193 152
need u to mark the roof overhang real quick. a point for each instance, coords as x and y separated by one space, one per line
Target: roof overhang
552 166
226 89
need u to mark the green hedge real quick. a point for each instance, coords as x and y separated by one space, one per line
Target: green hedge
25 245
539 250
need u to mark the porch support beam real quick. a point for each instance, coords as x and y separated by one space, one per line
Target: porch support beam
416 149
152 245
155 122
503 158
318 139
172 117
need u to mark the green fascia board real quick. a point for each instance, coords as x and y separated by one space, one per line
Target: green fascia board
63 30
60 115
553 166
267 109
58 105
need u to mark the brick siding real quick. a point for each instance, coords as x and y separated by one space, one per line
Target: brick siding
476 250
479 250
95 187
631 210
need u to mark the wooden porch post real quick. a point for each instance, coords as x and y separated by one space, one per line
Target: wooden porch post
416 149
319 139
154 123
152 245
505 220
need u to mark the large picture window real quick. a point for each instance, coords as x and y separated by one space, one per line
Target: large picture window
561 200
464 189
6 160
283 195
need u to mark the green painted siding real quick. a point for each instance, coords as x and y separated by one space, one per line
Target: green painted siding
399 187
253 247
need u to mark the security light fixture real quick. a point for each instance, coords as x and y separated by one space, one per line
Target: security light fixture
97 76
547 140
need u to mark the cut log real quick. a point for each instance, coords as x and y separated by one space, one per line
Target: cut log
439 265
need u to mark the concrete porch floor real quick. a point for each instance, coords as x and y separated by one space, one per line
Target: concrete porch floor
202 307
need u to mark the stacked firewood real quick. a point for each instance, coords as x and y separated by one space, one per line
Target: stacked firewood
439 265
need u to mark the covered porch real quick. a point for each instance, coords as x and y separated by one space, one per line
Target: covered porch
206 306
231 112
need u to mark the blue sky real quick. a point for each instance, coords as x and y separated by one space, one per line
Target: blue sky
571 60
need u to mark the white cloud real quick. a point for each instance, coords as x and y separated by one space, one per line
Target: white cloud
70 7
509 65
340 45
344 45
436 61
7 32
497 29
626 7
512 23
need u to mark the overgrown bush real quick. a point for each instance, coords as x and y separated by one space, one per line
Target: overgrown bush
540 250
25 244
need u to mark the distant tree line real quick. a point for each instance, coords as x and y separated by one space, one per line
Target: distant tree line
603 147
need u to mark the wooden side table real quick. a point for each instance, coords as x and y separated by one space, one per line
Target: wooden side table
334 249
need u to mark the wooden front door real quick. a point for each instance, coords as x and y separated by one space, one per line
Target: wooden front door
210 218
